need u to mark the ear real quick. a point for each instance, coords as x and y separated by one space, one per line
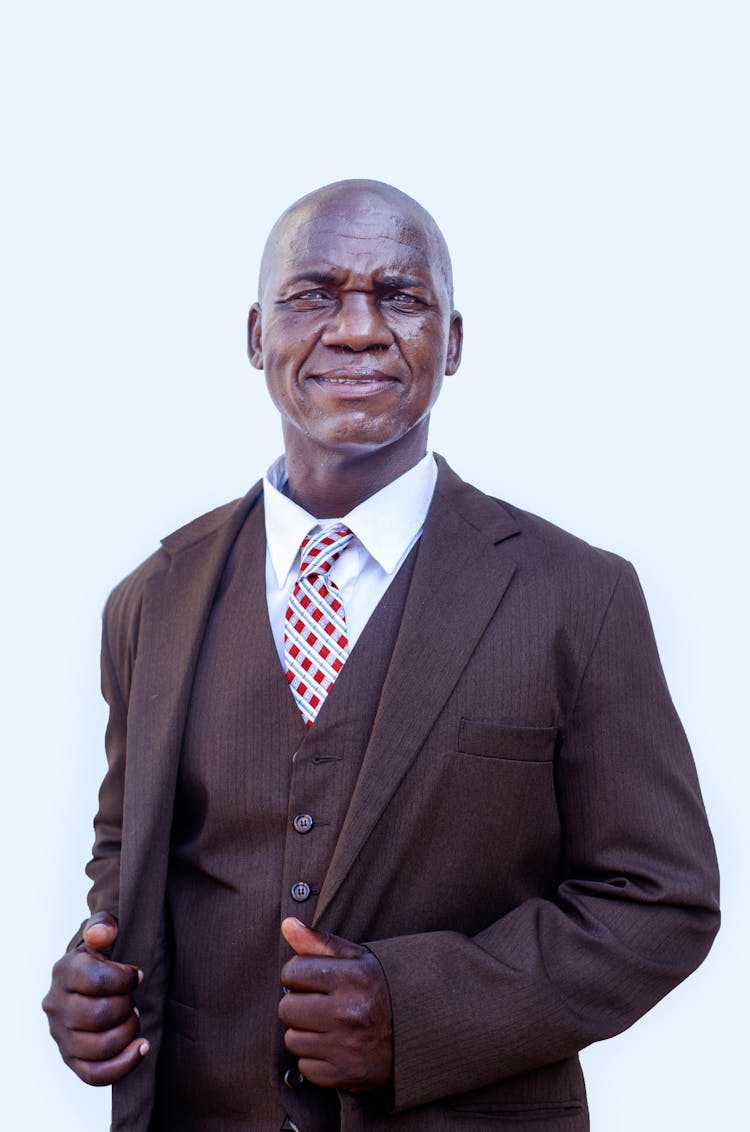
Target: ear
455 344
254 337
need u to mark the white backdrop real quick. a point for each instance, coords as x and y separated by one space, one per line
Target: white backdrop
588 164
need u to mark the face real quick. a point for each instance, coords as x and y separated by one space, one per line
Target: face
354 328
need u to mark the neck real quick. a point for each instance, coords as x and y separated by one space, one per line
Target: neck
334 484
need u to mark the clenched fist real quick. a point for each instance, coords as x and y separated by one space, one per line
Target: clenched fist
337 1011
90 1007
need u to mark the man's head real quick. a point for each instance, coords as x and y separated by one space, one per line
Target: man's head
354 326
303 209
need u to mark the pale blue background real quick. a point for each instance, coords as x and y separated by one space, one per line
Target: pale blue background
588 164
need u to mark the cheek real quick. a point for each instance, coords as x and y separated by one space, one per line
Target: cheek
289 344
414 333
419 340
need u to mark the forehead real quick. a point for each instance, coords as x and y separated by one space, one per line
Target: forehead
361 235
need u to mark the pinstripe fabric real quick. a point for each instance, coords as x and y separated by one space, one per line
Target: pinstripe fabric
520 839
247 766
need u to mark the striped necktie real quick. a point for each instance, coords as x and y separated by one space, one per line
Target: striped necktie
315 641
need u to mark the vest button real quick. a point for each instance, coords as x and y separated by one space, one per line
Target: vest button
303 823
300 891
293 1078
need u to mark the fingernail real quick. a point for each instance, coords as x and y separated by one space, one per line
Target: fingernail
136 1011
143 1048
140 975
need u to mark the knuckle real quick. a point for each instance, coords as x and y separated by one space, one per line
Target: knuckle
106 1012
98 1014
354 1012
98 976
58 967
62 971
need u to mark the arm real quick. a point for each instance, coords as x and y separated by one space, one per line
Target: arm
635 909
90 1005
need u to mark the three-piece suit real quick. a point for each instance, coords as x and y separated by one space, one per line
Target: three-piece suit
497 797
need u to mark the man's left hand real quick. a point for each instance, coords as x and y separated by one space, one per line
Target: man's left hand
337 1011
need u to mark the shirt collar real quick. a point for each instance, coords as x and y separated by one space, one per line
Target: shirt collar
385 524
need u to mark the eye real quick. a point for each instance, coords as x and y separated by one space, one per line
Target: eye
403 300
310 299
313 293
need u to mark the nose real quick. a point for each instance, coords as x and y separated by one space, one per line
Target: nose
358 324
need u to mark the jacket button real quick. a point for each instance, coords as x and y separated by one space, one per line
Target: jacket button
293 1078
300 891
303 823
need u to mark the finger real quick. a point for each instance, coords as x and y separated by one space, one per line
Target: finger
103 1046
100 931
324 1063
330 1071
310 941
95 1014
307 1043
112 1069
323 1074
89 973
322 974
305 1012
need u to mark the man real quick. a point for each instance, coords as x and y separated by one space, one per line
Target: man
397 872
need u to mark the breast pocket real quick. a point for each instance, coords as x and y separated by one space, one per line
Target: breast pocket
491 740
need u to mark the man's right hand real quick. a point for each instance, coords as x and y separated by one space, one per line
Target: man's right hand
90 1007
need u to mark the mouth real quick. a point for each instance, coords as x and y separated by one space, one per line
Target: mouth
365 382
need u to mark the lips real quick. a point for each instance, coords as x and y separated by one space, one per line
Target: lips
357 383
347 380
352 377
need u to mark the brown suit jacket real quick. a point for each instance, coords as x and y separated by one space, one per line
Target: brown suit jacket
525 850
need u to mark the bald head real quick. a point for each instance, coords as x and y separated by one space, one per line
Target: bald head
355 330
359 204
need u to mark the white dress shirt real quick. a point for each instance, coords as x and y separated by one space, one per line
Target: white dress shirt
385 527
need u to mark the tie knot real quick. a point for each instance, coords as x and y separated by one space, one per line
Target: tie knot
320 553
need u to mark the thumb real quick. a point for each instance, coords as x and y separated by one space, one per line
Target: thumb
310 941
100 931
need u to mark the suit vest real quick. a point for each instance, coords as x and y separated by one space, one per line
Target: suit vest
259 807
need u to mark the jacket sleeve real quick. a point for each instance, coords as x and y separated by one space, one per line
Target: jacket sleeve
120 631
636 907
104 866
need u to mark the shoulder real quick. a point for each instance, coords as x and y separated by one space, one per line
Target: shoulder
558 580
552 545
537 543
199 535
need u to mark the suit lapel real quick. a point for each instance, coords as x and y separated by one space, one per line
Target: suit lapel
176 607
463 568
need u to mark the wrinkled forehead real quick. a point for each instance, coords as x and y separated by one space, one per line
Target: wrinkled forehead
360 234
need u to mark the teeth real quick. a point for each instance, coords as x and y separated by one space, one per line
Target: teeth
347 380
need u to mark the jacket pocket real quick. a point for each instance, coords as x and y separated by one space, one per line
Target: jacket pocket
506 741
530 1113
180 1018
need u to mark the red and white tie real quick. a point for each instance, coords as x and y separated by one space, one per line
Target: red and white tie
315 641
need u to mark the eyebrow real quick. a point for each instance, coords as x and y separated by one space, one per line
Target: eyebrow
394 282
398 281
311 277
